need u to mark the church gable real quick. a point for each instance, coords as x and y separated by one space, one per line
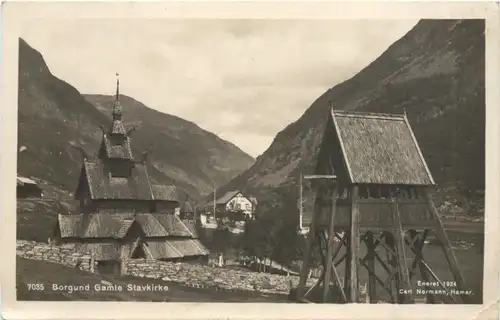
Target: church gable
82 188
126 229
103 185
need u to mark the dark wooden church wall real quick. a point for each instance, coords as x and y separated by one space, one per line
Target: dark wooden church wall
165 206
128 205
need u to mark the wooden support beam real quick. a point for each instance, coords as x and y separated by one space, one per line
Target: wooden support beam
382 263
317 284
344 257
329 249
377 279
339 284
416 245
376 256
347 269
354 246
429 270
393 263
403 276
337 250
370 262
388 245
342 239
446 246
334 272
425 278
311 237
425 269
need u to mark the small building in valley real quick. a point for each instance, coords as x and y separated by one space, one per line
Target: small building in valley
27 188
122 214
235 202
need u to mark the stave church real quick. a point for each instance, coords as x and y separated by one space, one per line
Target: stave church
122 214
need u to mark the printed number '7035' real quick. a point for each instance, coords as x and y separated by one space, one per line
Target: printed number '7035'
35 286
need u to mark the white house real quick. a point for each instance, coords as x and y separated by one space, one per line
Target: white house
235 201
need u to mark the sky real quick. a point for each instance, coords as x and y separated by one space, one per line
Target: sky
244 80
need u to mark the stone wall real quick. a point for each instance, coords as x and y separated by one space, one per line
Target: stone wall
65 255
203 276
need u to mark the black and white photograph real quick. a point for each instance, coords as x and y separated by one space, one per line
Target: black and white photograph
251 160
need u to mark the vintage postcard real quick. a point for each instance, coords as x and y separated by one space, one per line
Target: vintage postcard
250 160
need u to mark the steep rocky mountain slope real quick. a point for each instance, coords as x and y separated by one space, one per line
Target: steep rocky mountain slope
52 115
436 72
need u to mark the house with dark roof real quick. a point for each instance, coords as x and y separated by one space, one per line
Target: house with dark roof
27 188
123 215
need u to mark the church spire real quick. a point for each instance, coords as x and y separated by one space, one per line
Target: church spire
117 86
117 108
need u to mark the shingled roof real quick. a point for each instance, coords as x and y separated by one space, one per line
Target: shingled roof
115 225
21 181
104 186
227 197
379 149
117 127
157 249
178 240
117 147
135 186
165 193
176 248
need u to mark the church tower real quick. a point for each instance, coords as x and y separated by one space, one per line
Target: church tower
116 151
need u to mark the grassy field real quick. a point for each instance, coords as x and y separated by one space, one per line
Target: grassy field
46 273
36 218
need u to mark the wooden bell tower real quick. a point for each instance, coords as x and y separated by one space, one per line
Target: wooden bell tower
373 211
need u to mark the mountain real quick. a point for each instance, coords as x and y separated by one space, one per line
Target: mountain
53 115
436 73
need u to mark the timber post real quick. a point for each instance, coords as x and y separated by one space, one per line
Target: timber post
354 246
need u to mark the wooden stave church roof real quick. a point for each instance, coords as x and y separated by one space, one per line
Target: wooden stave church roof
110 225
166 235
